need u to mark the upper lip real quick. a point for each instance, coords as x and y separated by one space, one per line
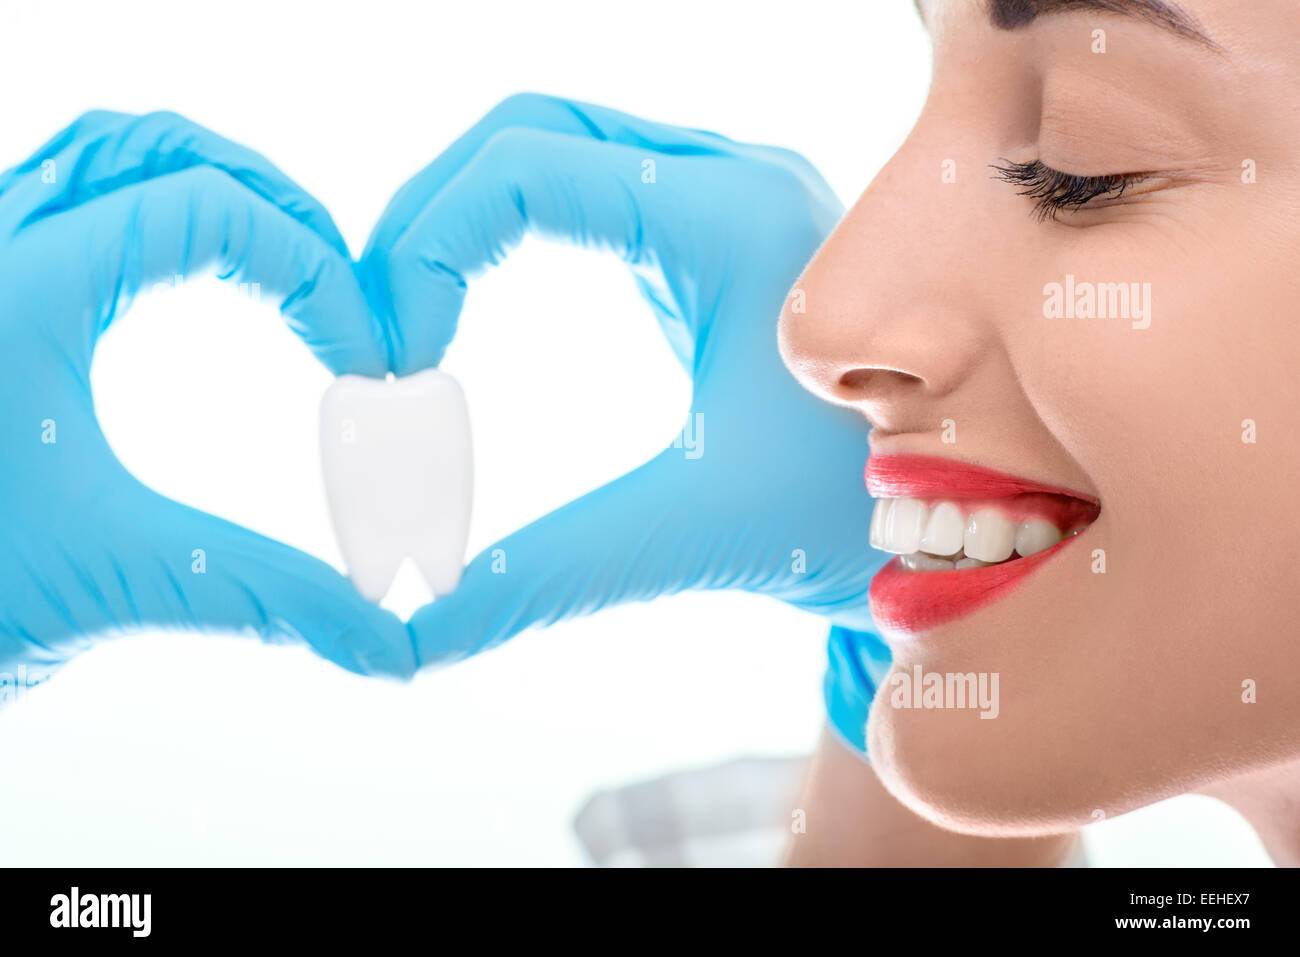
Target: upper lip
925 476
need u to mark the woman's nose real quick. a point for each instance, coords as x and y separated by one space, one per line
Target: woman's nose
887 319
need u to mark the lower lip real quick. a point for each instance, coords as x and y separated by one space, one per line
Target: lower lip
909 603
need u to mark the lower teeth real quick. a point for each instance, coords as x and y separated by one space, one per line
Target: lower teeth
925 562
921 562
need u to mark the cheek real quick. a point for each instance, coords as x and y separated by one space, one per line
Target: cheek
1131 690
1155 404
1184 426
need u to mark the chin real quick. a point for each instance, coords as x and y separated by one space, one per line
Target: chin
1014 776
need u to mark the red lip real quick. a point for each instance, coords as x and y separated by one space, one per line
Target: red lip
927 476
907 602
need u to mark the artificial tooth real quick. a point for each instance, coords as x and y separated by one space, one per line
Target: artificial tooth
1036 535
398 470
921 562
990 536
944 530
878 516
902 527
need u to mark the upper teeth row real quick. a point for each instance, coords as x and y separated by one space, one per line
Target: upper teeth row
906 525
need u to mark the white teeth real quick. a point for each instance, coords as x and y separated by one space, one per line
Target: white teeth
939 536
900 531
399 477
878 516
1035 535
990 536
943 531
921 562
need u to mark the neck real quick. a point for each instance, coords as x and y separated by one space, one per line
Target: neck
1270 800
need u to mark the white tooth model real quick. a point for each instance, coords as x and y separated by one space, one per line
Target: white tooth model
399 476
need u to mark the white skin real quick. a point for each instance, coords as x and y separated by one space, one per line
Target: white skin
1123 688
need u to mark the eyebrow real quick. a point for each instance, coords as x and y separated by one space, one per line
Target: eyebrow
1012 14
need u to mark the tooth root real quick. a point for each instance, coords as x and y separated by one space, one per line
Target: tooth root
398 472
902 527
990 536
878 516
372 575
441 570
921 562
944 530
1036 535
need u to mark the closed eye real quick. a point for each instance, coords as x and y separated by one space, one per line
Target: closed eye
1055 191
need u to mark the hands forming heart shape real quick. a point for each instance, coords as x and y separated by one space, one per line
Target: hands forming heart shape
769 497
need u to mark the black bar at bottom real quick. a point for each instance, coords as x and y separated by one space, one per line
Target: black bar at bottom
438 907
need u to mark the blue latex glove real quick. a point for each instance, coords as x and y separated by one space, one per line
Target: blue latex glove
858 663
112 204
771 499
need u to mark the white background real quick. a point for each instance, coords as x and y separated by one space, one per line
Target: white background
177 749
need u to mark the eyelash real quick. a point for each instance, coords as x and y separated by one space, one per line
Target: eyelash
1056 191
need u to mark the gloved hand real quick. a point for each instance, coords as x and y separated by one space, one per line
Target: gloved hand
111 205
765 492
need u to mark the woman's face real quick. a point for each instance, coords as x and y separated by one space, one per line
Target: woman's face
1159 648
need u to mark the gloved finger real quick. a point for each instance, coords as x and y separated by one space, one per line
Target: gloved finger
698 516
558 115
542 113
193 221
145 561
41 161
651 532
560 186
103 151
630 540
162 564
